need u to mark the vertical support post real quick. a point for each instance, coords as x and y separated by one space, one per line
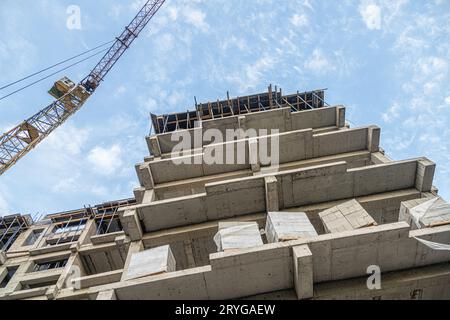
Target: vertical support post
272 203
303 272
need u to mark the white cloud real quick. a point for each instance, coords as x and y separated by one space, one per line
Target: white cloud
115 11
147 104
432 66
67 139
318 62
4 204
120 91
66 185
106 161
371 14
447 100
196 18
253 74
299 20
4 207
101 191
172 12
392 113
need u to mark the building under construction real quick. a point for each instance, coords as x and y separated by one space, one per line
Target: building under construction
334 208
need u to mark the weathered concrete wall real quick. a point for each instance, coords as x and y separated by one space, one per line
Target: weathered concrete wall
295 188
278 119
270 268
293 146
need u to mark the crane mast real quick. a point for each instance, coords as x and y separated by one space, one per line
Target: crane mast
18 141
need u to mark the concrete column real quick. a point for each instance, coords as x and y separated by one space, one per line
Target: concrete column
254 155
71 271
340 116
379 158
287 120
144 196
425 174
135 247
272 203
14 283
373 139
107 295
139 194
241 123
145 176
153 146
2 258
131 224
3 273
88 231
149 196
303 272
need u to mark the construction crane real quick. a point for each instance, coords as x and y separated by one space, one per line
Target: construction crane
17 142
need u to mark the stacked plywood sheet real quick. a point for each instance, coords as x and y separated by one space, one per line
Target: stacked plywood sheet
285 226
425 212
151 262
346 217
237 235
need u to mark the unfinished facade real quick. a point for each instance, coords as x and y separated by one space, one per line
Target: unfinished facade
311 228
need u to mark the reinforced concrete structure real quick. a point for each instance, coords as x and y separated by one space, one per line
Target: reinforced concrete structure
338 207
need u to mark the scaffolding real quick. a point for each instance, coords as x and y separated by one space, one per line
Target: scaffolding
272 99
70 223
11 227
107 216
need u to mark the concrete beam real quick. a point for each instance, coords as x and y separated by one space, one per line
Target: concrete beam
241 123
272 203
340 116
145 176
425 174
107 295
139 194
153 146
303 272
131 224
98 279
135 247
373 139
379 158
254 155
2 258
149 196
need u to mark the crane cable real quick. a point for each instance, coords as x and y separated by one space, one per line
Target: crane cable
55 65
54 73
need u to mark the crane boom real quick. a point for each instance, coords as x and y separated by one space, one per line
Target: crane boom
18 141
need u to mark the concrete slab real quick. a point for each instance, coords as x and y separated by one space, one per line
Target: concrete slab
107 295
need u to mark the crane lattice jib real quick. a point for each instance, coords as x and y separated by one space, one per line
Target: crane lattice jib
18 141
121 44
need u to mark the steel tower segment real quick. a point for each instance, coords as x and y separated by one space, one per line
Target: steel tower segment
18 141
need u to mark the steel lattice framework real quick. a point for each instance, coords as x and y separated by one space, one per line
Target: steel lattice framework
17 142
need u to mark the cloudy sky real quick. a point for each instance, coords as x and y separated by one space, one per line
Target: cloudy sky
387 61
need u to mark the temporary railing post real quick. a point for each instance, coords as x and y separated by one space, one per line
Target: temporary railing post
65 231
7 230
101 222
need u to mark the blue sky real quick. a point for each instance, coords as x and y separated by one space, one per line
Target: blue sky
387 61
